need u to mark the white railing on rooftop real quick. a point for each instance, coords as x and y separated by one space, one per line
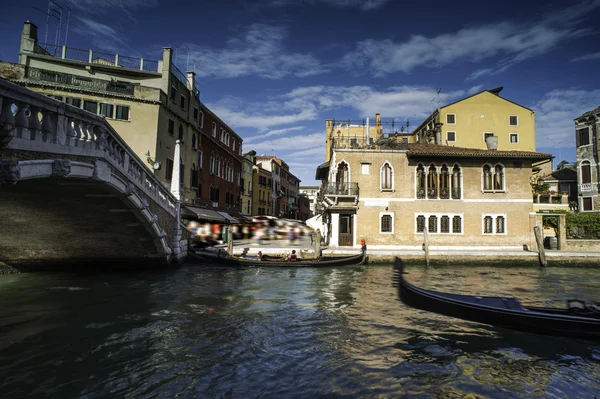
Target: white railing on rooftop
96 57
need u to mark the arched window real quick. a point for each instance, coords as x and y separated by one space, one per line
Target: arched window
586 172
499 178
212 164
387 177
432 183
444 182
433 223
456 184
214 129
386 223
487 177
420 224
420 182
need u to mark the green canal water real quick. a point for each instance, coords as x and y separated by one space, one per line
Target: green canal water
208 332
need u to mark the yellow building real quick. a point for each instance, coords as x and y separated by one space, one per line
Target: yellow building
247 183
150 103
262 182
469 122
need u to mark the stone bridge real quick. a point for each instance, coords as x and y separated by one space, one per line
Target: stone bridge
72 192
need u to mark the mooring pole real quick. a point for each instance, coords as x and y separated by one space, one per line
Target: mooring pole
426 245
230 240
540 244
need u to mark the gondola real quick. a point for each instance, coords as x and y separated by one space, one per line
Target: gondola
578 319
222 258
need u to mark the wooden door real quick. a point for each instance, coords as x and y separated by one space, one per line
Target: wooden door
345 231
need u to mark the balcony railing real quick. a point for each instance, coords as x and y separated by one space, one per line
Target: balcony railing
95 57
341 189
80 81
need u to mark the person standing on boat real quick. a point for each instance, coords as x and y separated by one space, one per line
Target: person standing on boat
293 257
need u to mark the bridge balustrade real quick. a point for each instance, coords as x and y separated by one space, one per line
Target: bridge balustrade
43 124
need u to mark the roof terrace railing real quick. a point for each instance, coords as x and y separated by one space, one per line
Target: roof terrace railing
96 57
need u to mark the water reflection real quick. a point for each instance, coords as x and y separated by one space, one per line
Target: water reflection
332 332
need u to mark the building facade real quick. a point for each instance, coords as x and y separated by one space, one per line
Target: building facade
247 182
470 121
312 193
462 197
262 183
150 103
588 160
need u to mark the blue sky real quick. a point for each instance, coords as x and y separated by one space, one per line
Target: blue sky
275 70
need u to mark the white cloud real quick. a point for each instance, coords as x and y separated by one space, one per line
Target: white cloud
513 41
555 113
364 5
293 143
260 51
277 132
587 57
102 35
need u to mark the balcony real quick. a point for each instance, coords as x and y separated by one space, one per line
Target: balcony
339 195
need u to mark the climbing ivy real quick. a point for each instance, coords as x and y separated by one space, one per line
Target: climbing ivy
583 225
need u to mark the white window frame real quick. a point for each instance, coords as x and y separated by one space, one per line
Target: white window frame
112 114
510 135
589 139
448 123
591 200
200 157
365 168
493 169
214 129
128 112
381 179
510 116
201 119
448 139
494 217
439 224
381 215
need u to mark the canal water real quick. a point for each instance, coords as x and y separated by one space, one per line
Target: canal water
208 332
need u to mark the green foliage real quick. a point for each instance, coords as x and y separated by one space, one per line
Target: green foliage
540 188
583 225
550 222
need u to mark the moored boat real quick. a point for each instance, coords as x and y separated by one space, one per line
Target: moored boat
222 258
578 319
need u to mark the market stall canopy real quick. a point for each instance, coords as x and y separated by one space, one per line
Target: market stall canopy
229 218
203 214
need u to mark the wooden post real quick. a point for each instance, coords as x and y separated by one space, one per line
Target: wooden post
540 244
426 235
229 240
317 243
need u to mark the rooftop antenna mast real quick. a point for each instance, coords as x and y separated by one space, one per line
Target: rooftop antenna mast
68 19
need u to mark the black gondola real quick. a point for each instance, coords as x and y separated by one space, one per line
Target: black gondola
581 321
221 258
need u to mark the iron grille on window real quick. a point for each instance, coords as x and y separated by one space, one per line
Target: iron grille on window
420 224
456 224
500 225
488 225
386 224
433 224
445 224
